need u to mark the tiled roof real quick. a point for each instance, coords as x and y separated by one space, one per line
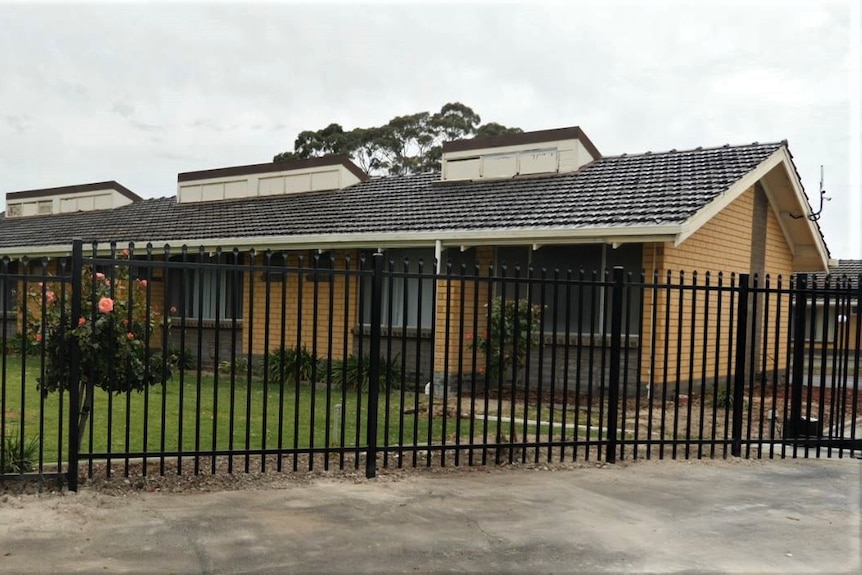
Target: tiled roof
850 268
649 189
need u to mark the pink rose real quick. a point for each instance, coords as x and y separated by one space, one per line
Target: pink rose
143 283
82 321
130 335
100 276
106 305
50 297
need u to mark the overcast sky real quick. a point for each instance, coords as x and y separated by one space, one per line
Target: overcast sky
139 92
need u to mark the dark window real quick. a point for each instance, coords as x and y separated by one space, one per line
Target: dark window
8 287
579 304
408 300
207 291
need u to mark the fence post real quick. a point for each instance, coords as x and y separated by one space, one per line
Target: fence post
374 366
615 360
792 426
75 365
739 374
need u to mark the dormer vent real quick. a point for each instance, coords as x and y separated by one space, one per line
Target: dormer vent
273 179
68 199
556 151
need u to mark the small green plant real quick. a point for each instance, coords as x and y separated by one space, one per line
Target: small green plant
15 456
354 373
514 330
15 344
724 398
284 364
238 366
183 359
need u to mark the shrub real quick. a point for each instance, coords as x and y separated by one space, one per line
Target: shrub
354 373
17 343
514 328
283 365
183 359
14 459
111 333
238 366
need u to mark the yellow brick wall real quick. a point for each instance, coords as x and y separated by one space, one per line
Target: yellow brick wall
722 245
448 352
300 321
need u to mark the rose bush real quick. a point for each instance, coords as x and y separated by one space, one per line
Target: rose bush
112 333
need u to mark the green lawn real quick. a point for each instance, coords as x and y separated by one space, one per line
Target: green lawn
212 413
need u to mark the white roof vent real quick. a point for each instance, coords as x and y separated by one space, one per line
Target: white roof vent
68 199
274 179
530 153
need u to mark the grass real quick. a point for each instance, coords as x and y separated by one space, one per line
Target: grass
214 412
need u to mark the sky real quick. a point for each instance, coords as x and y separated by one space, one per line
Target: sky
140 92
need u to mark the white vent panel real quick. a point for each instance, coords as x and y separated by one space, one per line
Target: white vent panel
499 166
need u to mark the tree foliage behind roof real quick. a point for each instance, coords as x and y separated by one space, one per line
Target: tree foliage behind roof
409 144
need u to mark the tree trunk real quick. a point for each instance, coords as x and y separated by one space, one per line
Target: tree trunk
86 407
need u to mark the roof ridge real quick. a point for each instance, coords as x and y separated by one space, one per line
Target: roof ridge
402 176
697 149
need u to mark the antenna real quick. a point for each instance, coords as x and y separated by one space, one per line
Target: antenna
821 179
814 216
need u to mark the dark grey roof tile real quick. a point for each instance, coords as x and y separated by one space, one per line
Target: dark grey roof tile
629 190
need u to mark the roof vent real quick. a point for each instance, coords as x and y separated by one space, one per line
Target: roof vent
68 199
273 179
558 151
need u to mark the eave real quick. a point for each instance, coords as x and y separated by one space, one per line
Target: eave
786 196
447 238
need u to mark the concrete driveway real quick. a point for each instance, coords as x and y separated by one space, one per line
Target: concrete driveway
791 516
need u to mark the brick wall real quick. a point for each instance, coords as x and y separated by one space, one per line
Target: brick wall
316 311
451 355
723 245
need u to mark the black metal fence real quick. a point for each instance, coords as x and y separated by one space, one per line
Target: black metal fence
181 361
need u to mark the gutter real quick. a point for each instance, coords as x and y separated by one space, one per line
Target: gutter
453 238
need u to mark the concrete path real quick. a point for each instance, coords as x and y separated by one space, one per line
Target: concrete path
788 516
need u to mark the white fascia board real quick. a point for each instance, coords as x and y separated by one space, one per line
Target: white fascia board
727 197
447 238
39 251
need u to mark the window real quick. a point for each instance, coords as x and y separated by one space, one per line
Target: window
835 319
580 306
8 287
407 301
208 293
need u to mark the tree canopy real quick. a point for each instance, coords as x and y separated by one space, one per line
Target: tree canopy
407 144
